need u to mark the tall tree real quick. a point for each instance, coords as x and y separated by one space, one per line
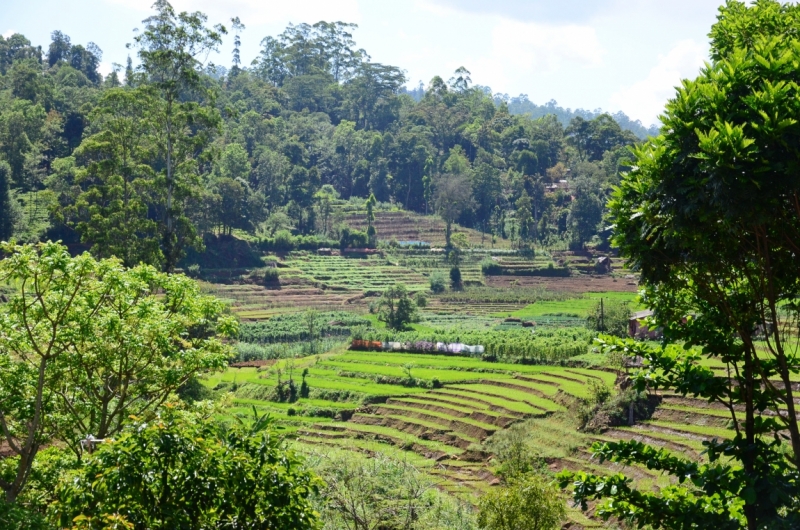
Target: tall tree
172 48
585 213
7 210
453 195
112 211
709 216
238 28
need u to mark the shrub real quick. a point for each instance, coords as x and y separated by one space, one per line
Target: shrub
271 276
513 452
455 278
420 300
193 271
528 502
489 266
380 492
283 240
437 282
353 239
202 474
610 317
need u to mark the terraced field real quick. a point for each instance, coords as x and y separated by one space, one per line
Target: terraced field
410 226
307 280
441 413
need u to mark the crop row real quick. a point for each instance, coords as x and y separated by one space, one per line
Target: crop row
517 344
301 326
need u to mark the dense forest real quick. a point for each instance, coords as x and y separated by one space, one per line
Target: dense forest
146 161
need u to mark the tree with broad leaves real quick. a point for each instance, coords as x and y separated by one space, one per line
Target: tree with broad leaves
84 344
184 470
709 215
396 308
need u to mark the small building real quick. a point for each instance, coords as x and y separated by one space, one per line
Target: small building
637 327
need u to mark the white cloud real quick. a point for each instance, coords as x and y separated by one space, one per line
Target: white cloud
520 50
105 68
645 99
255 12
8 33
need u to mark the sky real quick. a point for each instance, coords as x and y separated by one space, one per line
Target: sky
615 55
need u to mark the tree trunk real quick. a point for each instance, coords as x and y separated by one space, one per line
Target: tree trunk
169 263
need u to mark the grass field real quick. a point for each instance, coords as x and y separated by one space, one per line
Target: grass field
579 307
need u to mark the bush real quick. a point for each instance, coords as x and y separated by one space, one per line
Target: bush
528 502
202 474
271 276
283 240
438 284
193 271
610 317
16 517
383 493
420 300
455 278
489 266
353 239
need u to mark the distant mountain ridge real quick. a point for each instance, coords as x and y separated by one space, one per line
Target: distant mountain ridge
522 105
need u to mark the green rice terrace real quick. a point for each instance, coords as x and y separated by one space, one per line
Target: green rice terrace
442 413
313 353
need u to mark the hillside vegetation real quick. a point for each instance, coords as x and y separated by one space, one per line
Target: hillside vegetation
293 293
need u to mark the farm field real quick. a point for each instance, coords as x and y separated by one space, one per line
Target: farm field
374 401
328 281
444 414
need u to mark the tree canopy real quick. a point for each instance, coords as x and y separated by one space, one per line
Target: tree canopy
709 217
85 344
149 160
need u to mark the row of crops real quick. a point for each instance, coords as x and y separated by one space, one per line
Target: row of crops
513 344
301 327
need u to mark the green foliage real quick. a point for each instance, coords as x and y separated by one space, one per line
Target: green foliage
708 216
489 266
353 239
437 282
294 327
16 517
455 278
380 492
610 316
87 343
284 241
453 195
8 209
516 344
529 502
396 308
116 181
511 448
170 45
184 471
420 300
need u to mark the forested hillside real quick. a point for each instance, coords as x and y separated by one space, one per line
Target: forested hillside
293 293
145 162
